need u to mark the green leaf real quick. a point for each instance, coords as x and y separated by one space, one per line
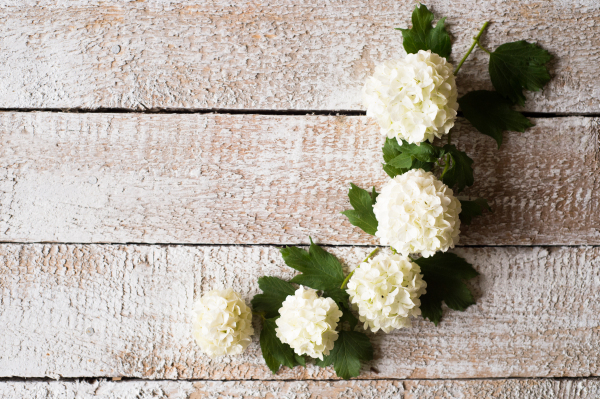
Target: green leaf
402 161
274 351
396 157
426 166
339 295
300 360
471 209
274 293
350 349
444 273
424 152
391 149
349 317
491 114
460 174
423 37
516 66
362 215
393 172
320 270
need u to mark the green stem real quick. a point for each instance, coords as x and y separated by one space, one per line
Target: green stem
483 48
350 274
347 279
475 42
446 167
449 137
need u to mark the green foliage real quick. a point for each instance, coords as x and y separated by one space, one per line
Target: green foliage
422 36
349 317
362 215
320 271
350 349
471 209
516 66
460 173
274 293
424 152
513 68
444 274
400 158
491 114
274 351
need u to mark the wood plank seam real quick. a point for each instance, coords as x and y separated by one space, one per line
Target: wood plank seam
233 111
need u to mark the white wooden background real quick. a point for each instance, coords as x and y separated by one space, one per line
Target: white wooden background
150 151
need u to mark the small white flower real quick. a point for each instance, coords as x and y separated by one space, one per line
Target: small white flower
385 290
222 323
417 213
413 99
308 323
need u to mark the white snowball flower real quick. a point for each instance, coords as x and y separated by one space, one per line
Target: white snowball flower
385 290
417 213
308 323
413 99
222 323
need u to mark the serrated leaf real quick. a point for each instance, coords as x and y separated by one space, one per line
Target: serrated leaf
350 349
422 36
275 352
320 269
460 174
426 166
274 293
395 155
391 149
491 114
424 152
402 161
516 66
362 215
471 209
445 274
393 172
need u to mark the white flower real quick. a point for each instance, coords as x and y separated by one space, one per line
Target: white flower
222 323
308 323
413 99
386 291
417 213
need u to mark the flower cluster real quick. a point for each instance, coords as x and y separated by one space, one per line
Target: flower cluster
308 323
413 99
222 323
386 291
417 213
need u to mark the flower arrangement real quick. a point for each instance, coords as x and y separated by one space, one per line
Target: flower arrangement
417 214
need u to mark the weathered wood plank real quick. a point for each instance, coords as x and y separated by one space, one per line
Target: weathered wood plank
384 389
112 310
279 54
256 179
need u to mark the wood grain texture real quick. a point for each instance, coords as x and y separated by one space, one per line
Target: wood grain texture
276 54
256 179
384 389
125 310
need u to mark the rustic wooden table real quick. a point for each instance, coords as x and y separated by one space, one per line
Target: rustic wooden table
150 151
